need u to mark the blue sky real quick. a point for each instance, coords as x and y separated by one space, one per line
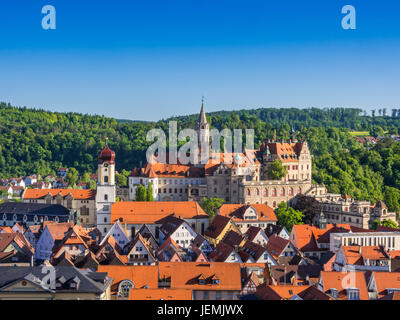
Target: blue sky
152 59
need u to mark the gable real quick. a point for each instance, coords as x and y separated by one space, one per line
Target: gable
23 286
118 233
250 214
184 227
140 248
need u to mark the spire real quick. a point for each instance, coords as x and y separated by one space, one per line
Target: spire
202 117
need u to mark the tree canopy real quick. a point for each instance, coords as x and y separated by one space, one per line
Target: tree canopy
210 205
287 216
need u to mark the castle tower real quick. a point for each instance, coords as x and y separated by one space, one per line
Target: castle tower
106 189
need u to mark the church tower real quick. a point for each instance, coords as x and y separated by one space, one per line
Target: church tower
106 189
203 129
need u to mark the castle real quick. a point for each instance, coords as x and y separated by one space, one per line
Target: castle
244 180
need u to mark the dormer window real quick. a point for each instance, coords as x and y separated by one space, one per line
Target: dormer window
353 294
124 288
334 293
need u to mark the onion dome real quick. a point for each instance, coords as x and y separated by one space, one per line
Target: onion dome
107 155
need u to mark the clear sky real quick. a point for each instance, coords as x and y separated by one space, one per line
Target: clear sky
151 59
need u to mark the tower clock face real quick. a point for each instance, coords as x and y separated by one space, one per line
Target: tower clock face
106 164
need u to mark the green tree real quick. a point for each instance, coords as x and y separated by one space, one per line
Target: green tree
392 198
92 185
390 224
287 216
121 180
210 205
276 170
149 192
86 178
72 176
141 193
375 224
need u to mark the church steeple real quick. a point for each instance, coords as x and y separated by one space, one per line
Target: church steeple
203 134
202 117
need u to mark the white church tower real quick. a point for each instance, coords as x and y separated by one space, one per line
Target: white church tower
203 133
106 189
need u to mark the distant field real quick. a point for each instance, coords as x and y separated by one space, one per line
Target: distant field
359 133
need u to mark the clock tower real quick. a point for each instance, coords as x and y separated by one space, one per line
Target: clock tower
106 189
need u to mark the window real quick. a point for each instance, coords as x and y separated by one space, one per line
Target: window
205 295
124 288
218 295
106 179
105 197
353 294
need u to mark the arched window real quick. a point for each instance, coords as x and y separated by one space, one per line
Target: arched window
257 192
265 192
105 197
274 205
124 288
106 179
283 192
274 192
299 192
290 191
248 192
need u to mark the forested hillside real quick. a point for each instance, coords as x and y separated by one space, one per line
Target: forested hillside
37 141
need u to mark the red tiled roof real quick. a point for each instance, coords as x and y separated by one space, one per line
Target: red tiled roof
342 281
137 212
185 275
141 276
160 294
78 194
236 211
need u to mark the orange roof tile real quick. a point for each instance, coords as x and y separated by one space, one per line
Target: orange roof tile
141 276
342 281
386 280
6 230
357 255
78 194
160 294
137 212
308 236
185 275
236 211
58 230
